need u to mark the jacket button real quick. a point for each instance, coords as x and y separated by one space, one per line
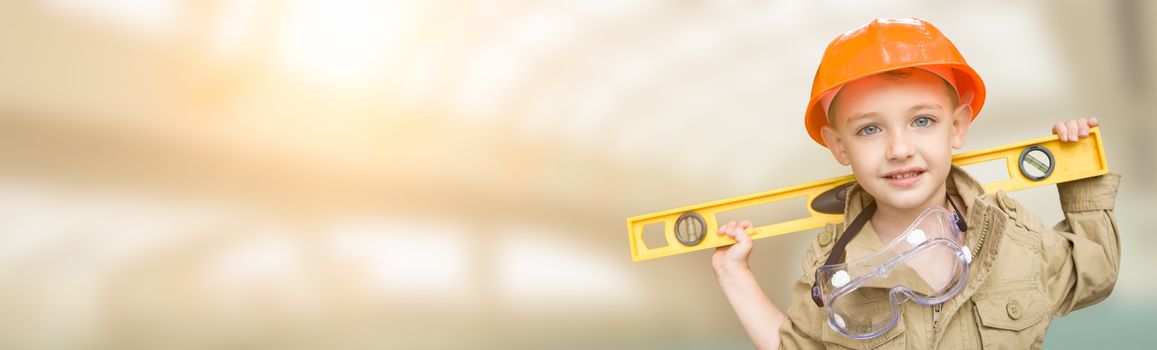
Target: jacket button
1009 204
825 238
1013 309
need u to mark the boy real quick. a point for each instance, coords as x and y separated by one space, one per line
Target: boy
892 99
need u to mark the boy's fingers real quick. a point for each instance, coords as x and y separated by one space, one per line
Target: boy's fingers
1083 126
735 229
1072 132
741 237
730 229
1094 122
745 224
1059 129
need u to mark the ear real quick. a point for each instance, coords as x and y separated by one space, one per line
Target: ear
835 145
961 119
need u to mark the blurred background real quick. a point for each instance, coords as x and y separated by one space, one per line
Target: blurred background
308 174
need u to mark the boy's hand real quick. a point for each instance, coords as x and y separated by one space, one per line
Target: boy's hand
1074 129
733 256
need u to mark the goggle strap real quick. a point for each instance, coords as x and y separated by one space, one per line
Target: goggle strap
836 256
960 224
837 253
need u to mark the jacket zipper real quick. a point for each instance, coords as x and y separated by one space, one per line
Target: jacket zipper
935 324
936 316
983 236
979 245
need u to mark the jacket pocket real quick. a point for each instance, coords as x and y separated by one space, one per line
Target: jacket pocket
892 339
1010 314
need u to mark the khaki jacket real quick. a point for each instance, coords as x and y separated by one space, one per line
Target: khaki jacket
1021 275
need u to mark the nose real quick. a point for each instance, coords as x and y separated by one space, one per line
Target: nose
899 147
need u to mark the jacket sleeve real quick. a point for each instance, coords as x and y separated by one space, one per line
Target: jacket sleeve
801 328
1082 253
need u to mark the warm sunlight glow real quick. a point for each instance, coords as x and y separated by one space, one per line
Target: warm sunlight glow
341 42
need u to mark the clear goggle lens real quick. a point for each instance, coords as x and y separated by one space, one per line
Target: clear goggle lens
926 264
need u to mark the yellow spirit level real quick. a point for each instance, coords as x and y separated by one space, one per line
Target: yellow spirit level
1032 163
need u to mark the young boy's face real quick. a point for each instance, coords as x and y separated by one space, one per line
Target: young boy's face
897 131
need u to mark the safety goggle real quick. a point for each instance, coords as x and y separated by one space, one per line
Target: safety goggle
927 264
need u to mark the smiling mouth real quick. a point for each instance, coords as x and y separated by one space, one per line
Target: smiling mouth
903 174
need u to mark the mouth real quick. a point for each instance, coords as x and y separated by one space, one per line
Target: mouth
904 177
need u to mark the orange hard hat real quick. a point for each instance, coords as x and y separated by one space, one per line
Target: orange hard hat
883 45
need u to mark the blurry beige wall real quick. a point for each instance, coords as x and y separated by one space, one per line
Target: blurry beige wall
456 175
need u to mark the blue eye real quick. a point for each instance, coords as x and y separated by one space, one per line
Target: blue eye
922 122
869 130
